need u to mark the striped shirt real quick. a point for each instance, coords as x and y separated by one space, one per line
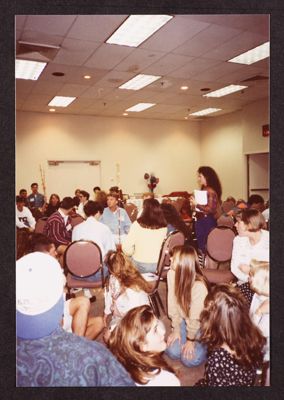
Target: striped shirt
56 229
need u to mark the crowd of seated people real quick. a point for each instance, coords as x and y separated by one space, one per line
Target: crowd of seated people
211 324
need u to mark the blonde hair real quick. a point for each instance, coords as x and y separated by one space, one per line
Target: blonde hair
186 266
259 274
126 343
122 268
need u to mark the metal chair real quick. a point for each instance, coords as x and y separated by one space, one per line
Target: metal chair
174 239
82 259
132 211
219 245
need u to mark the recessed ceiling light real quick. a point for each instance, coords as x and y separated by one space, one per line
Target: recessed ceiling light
184 87
125 114
87 76
139 81
185 117
206 111
61 101
26 69
253 55
140 107
225 91
52 109
137 28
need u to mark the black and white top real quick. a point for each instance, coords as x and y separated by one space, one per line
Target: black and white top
222 369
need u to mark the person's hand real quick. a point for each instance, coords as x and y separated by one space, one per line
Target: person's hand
188 349
244 268
192 201
172 338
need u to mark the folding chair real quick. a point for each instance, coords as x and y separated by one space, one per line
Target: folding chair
132 211
219 245
174 239
40 224
82 259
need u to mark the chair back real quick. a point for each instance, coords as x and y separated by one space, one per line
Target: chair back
132 211
76 219
83 258
40 224
175 238
220 243
225 220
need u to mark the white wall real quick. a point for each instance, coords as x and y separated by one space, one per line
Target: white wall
170 149
227 139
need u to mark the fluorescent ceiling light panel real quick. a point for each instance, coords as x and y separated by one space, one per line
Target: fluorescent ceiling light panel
61 101
225 91
253 55
26 69
137 28
140 107
139 81
206 111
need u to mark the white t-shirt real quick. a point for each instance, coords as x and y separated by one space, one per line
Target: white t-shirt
244 252
164 378
91 229
24 218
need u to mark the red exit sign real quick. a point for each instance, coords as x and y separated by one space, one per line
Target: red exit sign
265 130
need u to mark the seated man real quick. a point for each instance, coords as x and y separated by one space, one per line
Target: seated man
116 218
76 310
24 194
35 199
46 354
92 229
84 198
58 226
24 218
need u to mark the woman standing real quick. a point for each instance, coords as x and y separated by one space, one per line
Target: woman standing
146 236
207 214
235 344
187 290
138 343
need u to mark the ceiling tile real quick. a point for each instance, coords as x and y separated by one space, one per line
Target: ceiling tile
95 27
50 24
212 74
72 90
107 56
139 59
168 64
46 87
195 66
75 52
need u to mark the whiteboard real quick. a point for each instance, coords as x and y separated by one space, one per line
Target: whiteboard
65 178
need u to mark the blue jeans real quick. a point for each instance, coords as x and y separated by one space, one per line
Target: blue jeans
145 267
96 277
202 228
175 350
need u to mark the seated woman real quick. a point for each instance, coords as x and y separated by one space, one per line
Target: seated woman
146 236
187 290
259 309
125 289
252 242
53 204
234 343
138 343
174 221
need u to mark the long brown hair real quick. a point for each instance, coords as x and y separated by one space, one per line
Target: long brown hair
123 269
152 216
212 180
225 320
126 343
187 271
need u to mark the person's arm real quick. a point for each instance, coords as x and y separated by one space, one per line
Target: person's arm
173 310
57 231
211 205
237 259
127 223
108 301
31 219
128 245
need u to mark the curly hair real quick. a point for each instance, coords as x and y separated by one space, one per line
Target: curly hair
212 180
225 320
186 266
126 342
123 269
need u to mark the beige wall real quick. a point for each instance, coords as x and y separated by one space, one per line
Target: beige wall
225 141
170 149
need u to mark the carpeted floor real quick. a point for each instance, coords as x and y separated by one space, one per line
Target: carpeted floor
187 376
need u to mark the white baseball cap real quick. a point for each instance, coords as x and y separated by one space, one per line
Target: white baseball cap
39 295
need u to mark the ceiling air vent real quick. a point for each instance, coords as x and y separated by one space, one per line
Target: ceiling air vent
256 78
36 51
